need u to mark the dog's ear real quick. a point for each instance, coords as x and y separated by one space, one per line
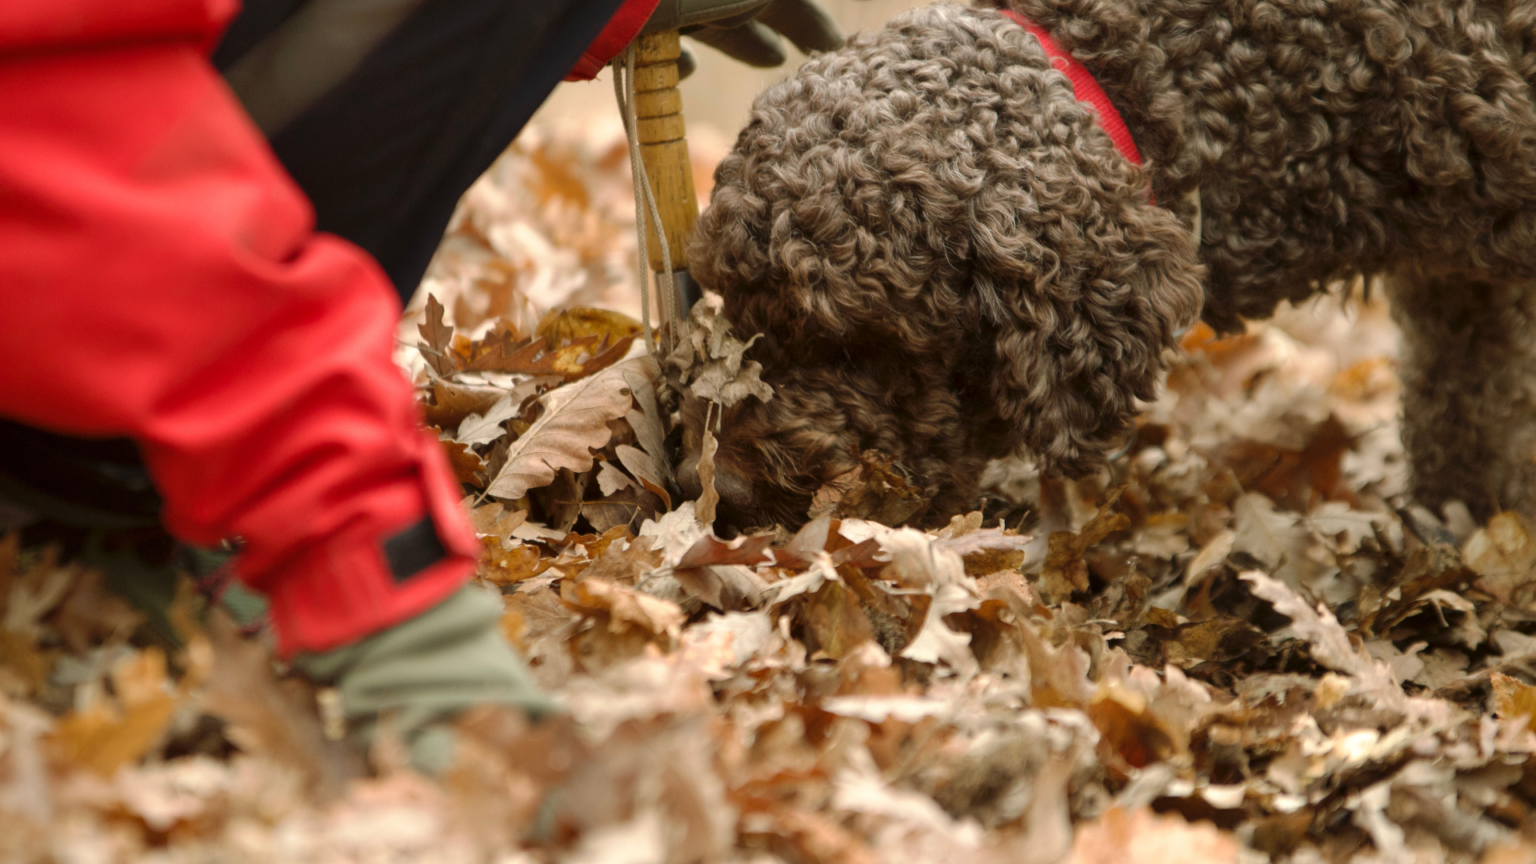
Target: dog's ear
1090 331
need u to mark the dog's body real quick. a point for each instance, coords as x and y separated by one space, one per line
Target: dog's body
949 260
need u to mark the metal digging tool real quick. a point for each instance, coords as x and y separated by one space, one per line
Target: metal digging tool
664 148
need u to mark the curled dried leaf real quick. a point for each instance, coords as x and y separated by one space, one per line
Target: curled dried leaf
709 362
574 423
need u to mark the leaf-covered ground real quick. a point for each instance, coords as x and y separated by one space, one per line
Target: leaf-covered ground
1237 645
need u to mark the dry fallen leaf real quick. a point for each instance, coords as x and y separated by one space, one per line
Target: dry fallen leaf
711 362
1503 552
485 428
874 490
1513 699
566 325
1065 570
266 719
874 695
468 467
646 422
1146 838
436 337
645 469
625 607
574 422
452 402
709 497
108 735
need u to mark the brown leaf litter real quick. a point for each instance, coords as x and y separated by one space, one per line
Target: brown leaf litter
1236 644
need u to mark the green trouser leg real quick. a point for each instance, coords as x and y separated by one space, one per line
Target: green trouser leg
151 586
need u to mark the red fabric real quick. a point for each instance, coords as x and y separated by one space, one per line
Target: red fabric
1085 87
621 30
162 280
27 25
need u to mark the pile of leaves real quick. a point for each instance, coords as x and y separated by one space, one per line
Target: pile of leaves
1237 644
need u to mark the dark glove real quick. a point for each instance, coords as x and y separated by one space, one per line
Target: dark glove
424 671
749 30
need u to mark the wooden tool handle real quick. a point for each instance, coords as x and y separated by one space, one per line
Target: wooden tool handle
663 147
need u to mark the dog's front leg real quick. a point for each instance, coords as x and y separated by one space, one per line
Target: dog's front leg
1469 386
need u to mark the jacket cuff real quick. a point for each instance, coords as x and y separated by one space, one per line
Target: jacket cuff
621 29
364 580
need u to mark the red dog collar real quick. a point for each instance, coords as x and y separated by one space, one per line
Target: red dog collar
1085 88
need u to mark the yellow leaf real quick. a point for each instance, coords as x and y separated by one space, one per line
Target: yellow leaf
105 737
570 324
103 741
1512 699
20 656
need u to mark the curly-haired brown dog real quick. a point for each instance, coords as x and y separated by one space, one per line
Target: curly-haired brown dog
949 260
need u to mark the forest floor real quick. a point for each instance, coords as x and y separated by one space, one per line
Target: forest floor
1235 645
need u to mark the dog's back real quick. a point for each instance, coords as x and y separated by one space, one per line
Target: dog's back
1326 138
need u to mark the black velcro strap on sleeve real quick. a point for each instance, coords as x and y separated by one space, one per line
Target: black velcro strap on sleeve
414 549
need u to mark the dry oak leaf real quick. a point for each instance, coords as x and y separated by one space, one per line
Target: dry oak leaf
467 464
499 352
625 607
1330 644
646 422
712 361
712 550
574 423
645 469
1331 647
1270 535
709 496
264 718
536 621
501 565
438 337
1065 571
610 479
105 737
1503 553
483 425
451 402
494 519
1131 734
720 573
988 550
586 355
575 359
570 324
1146 838
1512 699
627 507
485 428
872 490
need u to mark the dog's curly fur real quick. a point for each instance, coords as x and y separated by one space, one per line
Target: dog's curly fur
949 260
907 224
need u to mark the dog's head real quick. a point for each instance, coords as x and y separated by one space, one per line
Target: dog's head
932 203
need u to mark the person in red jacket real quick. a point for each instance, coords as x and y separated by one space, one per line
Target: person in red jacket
164 282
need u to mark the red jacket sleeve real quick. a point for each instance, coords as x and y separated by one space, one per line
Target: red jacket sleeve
161 280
